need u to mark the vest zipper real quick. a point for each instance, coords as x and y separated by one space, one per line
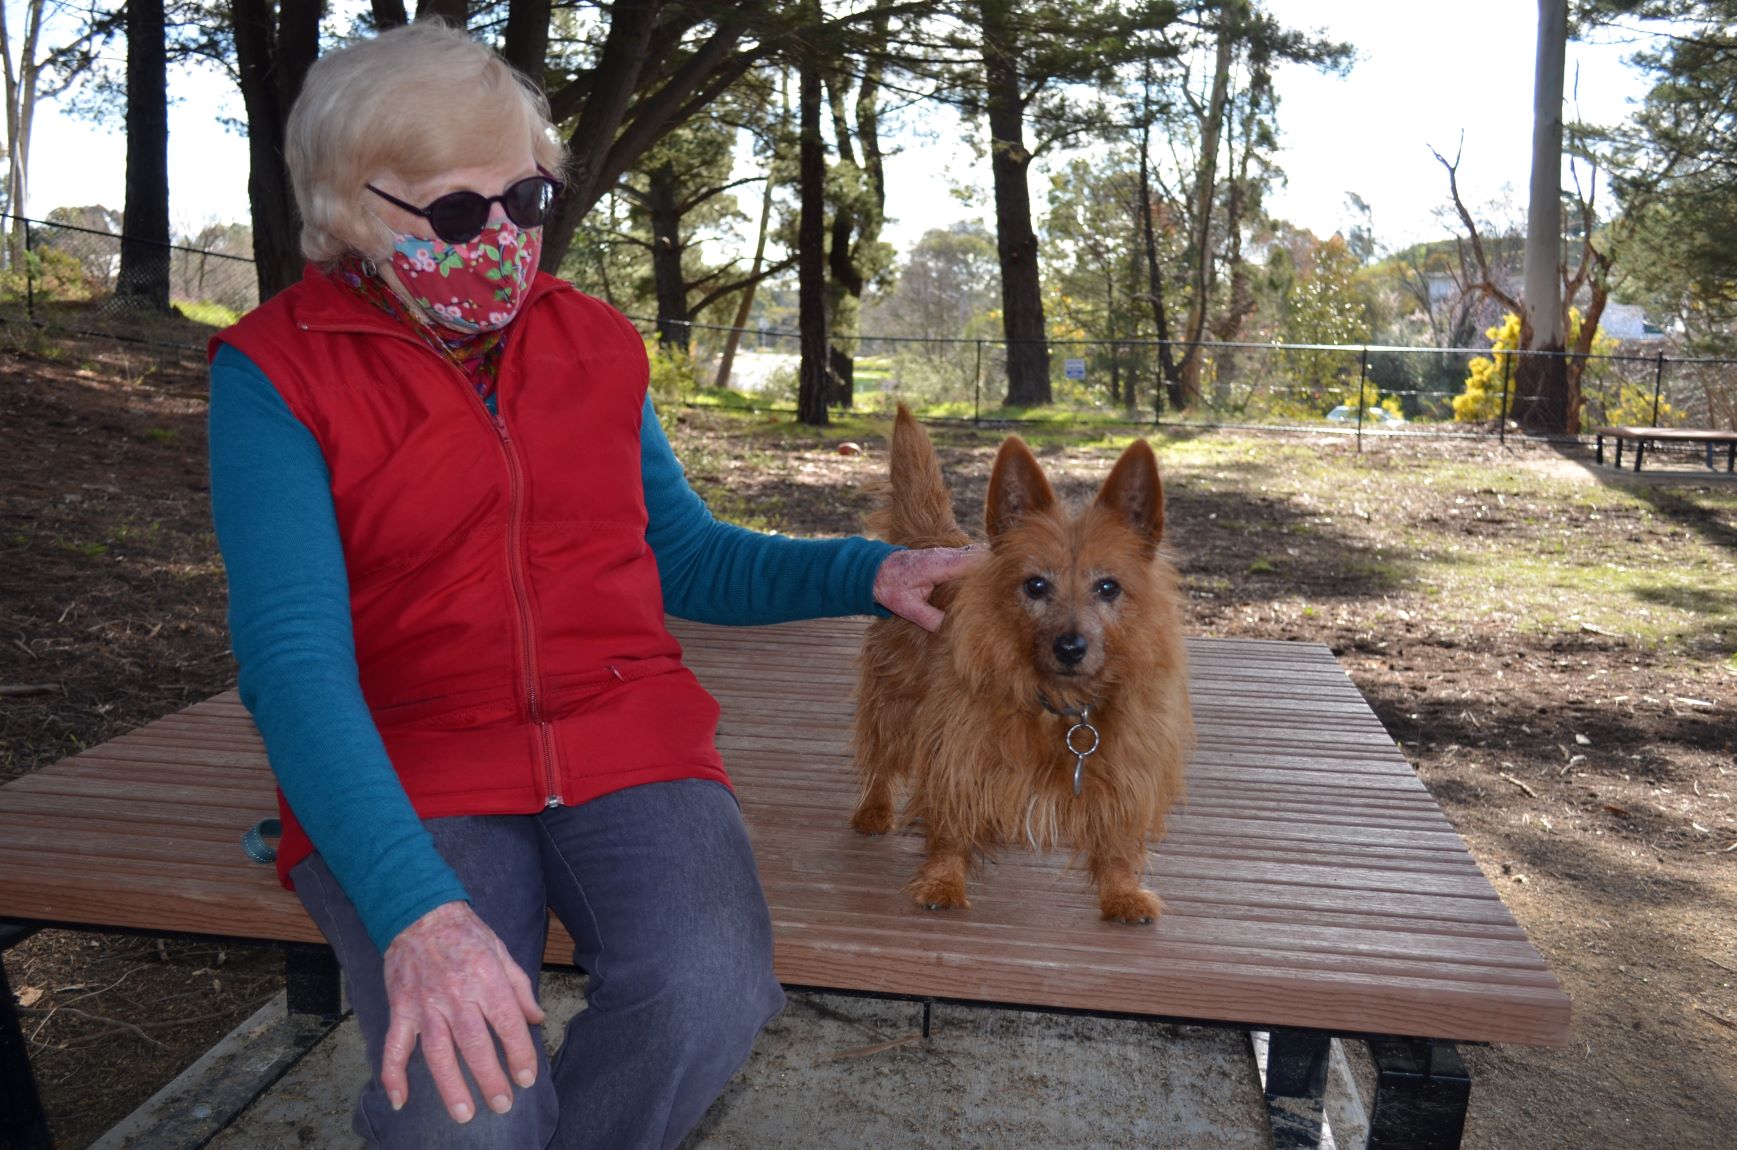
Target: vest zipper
545 737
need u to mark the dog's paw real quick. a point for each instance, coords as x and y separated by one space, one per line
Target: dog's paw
938 893
873 818
1133 907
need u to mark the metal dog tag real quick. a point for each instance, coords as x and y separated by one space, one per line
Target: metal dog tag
1082 753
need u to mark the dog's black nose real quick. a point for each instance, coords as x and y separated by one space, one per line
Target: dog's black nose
1070 649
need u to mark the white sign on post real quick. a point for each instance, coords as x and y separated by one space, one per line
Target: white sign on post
1074 368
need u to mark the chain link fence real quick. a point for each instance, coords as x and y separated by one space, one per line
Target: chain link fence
64 277
1458 391
67 278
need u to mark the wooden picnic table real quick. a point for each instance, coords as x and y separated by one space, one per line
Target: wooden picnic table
1642 437
1312 885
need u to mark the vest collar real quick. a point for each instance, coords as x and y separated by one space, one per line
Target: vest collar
327 305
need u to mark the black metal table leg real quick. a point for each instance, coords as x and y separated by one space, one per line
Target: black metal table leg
1601 451
1297 1087
314 987
23 1125
1640 448
1421 1093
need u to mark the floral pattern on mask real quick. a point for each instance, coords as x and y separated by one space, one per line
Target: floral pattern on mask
474 286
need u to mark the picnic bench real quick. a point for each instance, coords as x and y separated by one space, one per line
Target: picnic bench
1313 887
1643 437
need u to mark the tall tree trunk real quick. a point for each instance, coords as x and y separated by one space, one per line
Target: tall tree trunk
1541 400
526 44
1016 241
624 53
20 112
670 284
811 393
274 55
389 14
144 274
850 260
454 12
1169 367
844 281
1231 18
745 307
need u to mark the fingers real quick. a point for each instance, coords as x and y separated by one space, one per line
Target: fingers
449 1083
476 1044
522 991
956 561
919 611
516 1040
400 1041
519 1047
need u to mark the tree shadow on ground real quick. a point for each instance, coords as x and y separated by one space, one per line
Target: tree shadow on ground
1671 495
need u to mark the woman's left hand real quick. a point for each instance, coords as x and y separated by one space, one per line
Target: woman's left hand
906 579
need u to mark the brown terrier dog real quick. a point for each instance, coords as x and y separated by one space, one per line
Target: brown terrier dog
1052 705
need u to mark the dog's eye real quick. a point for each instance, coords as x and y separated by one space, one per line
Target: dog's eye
1106 589
1037 587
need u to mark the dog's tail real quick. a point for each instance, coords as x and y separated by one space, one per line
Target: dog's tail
918 511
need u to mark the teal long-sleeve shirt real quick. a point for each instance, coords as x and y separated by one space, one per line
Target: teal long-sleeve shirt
289 621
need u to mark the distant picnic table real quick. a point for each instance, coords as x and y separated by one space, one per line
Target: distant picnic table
1644 437
1313 886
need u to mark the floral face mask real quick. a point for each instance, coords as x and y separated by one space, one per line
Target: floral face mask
475 286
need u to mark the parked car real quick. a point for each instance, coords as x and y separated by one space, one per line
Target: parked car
1345 413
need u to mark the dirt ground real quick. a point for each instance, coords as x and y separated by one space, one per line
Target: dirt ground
1553 647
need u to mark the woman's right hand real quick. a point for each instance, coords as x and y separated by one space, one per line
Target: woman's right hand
450 981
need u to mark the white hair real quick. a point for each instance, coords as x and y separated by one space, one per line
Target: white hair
412 102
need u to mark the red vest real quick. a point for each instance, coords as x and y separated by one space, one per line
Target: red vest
508 614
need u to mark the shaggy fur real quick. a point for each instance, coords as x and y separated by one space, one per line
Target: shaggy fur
1075 606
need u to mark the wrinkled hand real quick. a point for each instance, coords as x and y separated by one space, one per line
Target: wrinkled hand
906 579
450 980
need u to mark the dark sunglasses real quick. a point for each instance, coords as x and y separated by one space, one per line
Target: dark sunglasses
459 217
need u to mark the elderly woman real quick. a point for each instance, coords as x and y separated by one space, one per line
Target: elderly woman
452 527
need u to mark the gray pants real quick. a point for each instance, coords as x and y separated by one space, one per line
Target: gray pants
659 889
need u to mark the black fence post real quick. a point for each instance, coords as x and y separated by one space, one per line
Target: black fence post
1502 415
1658 386
1362 382
977 390
29 276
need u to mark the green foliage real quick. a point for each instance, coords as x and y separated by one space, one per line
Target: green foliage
1677 166
1095 283
52 274
674 375
947 290
1327 305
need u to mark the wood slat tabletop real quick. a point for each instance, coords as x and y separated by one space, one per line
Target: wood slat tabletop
1310 880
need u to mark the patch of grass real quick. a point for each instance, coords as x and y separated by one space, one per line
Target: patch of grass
725 398
1263 566
210 314
160 434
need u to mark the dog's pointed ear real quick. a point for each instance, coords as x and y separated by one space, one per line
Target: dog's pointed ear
1016 487
1135 494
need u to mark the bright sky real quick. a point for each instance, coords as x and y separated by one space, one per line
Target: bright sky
1424 74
